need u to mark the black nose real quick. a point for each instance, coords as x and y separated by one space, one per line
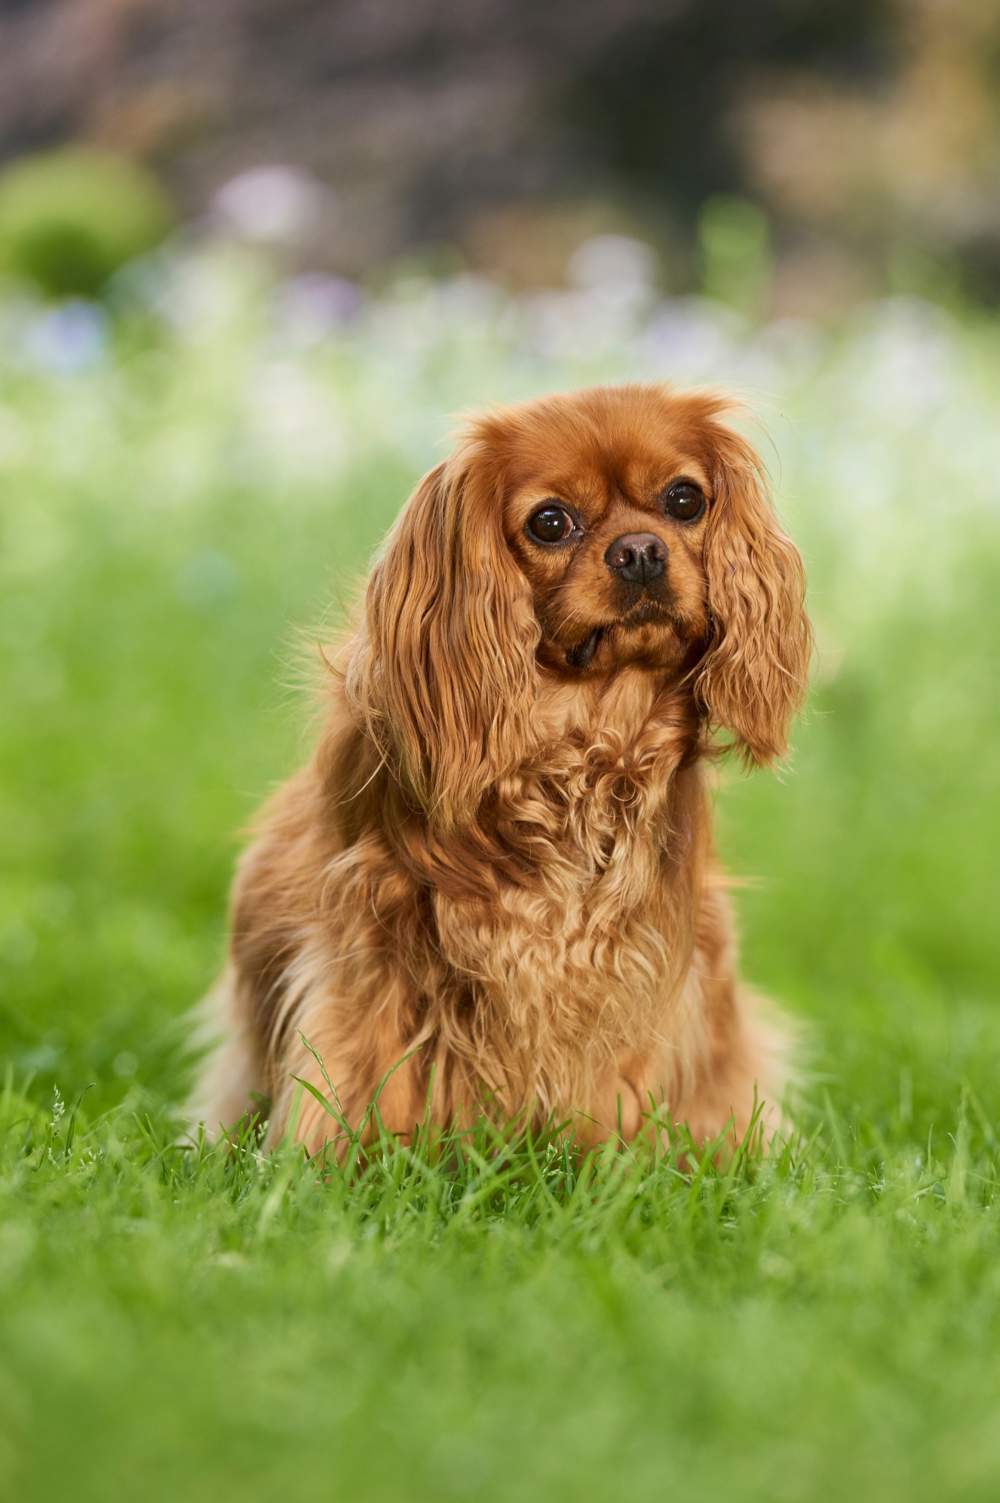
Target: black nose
638 557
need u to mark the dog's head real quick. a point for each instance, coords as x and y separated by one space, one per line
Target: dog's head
570 538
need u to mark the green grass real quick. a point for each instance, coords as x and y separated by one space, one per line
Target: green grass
178 1324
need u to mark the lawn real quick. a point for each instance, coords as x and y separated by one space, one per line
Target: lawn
190 491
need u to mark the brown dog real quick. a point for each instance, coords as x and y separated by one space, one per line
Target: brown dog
492 888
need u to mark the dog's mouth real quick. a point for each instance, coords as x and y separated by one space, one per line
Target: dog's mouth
646 613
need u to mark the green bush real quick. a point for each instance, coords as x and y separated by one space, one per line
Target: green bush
70 218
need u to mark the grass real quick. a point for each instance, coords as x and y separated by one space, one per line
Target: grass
517 1324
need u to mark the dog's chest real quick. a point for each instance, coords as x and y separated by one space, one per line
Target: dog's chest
585 931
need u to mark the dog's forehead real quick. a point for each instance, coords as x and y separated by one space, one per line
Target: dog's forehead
611 454
603 438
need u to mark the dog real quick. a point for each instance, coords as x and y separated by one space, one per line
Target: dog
492 889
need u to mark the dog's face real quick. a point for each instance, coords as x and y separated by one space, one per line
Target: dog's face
607 521
576 536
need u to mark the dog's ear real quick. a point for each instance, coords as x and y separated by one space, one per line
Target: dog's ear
753 676
445 674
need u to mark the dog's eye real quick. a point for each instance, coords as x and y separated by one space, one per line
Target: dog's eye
550 524
684 501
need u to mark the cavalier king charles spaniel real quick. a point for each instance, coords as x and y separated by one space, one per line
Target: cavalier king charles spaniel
492 891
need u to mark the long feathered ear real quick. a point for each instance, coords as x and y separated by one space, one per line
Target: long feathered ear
445 674
753 676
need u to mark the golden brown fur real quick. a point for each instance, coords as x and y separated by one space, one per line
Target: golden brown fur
492 889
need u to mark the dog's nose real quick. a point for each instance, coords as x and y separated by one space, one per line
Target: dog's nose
637 557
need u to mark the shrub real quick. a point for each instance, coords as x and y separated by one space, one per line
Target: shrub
70 218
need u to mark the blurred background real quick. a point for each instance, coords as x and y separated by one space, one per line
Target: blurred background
853 147
253 259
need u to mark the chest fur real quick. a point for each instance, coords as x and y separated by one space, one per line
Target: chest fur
586 949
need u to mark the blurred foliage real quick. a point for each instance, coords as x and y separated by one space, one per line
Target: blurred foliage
737 265
71 218
862 129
